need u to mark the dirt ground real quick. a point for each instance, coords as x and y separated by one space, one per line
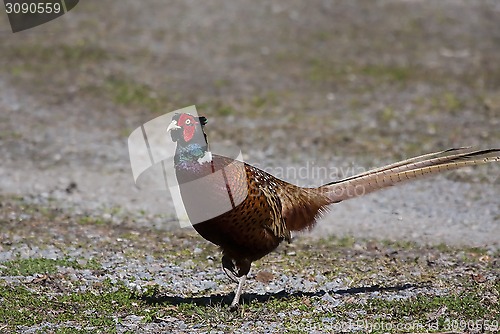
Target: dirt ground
343 85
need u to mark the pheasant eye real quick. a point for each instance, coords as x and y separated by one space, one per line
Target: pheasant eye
187 122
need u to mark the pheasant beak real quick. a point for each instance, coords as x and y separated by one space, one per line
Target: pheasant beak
173 126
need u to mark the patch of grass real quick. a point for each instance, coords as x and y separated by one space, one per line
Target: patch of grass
447 102
385 72
400 244
127 92
464 306
322 70
93 309
346 241
387 115
43 265
248 107
71 330
87 220
10 135
41 58
337 242
263 100
225 111
221 83
452 102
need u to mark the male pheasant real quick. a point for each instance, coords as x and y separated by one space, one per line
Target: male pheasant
263 209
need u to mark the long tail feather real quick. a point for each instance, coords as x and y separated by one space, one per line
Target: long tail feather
407 170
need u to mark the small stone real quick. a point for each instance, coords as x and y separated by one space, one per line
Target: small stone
264 277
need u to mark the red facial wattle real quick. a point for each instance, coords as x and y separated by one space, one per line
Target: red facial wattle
188 132
188 124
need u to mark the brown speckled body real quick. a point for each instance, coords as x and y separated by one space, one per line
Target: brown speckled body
258 224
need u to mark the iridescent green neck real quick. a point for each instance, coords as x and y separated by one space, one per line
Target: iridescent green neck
185 156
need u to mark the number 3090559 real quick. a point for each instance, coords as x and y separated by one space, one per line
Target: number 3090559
33 8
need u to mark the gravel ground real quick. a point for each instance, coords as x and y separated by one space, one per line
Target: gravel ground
345 85
165 272
52 137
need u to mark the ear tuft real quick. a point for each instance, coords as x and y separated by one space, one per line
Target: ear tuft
203 120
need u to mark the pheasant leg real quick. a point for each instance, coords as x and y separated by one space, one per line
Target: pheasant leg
235 304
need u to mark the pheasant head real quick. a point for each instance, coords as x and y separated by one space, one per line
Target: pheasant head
186 128
192 146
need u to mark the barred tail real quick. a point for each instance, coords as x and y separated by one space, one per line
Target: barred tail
406 170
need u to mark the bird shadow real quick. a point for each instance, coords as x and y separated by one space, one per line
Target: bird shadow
218 299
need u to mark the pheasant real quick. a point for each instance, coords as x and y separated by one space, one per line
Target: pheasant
265 210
